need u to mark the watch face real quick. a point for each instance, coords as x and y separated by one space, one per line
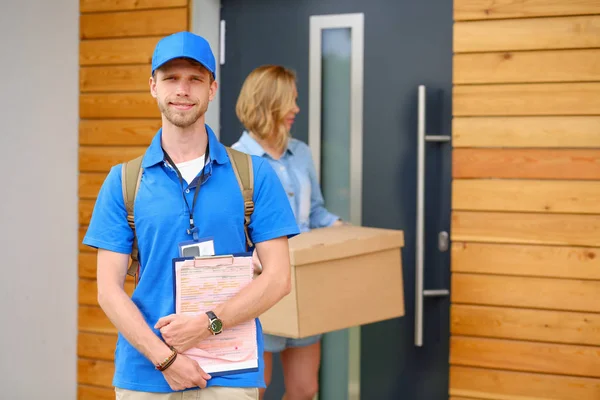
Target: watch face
216 325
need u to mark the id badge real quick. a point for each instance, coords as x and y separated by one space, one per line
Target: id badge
197 248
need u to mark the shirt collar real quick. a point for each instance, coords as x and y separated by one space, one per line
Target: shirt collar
154 153
255 149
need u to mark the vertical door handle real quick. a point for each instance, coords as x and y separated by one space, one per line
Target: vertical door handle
420 293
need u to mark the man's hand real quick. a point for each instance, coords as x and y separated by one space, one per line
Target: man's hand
183 331
185 373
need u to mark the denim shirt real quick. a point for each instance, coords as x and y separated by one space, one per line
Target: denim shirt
298 176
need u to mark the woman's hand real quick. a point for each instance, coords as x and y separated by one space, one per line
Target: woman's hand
340 222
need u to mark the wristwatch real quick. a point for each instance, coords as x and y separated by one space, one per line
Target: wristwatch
215 325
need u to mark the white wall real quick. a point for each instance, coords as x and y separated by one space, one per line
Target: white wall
38 198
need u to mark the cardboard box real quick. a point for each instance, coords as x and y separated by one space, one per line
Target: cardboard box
341 277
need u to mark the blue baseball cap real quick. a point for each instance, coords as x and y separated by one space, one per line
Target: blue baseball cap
183 45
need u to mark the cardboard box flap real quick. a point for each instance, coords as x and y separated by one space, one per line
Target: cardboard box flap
332 243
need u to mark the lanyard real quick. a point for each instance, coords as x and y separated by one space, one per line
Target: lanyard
193 229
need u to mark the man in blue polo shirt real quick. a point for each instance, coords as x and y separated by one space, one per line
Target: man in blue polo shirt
188 182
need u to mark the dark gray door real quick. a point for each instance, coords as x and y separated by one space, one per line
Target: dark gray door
407 43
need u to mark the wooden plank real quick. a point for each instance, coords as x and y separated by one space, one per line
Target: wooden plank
526 163
527 34
86 207
526 260
88 291
527 99
117 51
117 105
82 247
116 132
549 131
89 184
121 5
524 324
95 393
133 23
114 78
526 228
510 291
492 384
580 197
527 67
95 372
101 159
87 265
525 356
93 319
96 346
505 9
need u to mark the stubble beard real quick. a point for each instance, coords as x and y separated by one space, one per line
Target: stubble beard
183 119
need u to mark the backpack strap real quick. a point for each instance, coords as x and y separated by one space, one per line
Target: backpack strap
131 176
242 166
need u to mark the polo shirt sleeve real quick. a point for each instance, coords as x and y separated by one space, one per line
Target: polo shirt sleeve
108 227
273 216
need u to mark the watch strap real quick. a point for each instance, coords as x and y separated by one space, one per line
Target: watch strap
211 315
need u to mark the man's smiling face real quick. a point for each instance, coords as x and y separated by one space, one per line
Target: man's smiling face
183 88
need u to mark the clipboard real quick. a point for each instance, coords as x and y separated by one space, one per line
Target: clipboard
199 285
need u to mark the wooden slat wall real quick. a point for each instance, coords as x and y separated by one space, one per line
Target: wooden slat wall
525 314
118 120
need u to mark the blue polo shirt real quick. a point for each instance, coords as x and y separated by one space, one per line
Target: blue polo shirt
161 220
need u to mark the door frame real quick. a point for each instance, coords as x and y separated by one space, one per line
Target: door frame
205 18
346 344
356 23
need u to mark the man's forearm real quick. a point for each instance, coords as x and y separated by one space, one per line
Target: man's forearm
128 320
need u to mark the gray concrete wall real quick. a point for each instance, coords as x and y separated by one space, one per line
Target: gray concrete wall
38 198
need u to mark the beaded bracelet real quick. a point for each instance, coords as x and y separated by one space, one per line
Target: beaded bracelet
167 361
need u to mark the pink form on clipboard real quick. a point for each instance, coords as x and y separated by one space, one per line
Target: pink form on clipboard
201 285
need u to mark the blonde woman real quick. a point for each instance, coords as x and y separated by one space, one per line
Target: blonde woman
267 108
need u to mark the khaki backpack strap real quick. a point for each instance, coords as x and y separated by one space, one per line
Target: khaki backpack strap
130 178
242 166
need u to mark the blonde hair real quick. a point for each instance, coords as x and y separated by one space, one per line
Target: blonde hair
266 97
